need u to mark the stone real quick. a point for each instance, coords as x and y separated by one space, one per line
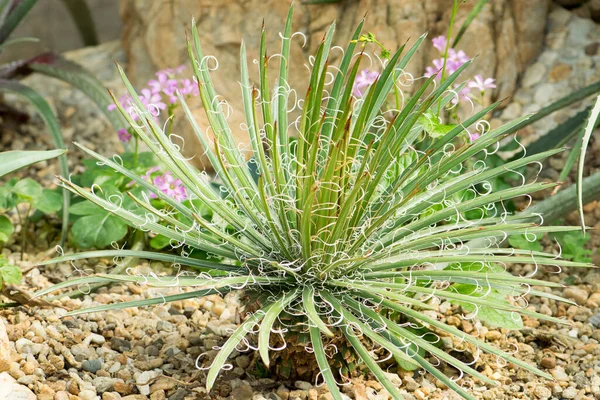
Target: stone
26 346
302 385
243 361
579 295
123 388
544 94
569 393
243 392
548 362
595 320
143 380
92 366
533 75
542 392
560 72
95 338
46 393
180 394
493 335
283 392
87 395
11 390
103 384
163 384
120 345
594 300
158 395
4 348
559 374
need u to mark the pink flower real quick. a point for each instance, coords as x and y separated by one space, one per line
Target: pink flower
152 102
438 64
364 79
189 87
481 84
126 102
474 136
123 100
170 186
440 43
150 172
463 95
124 136
163 84
458 56
456 59
172 71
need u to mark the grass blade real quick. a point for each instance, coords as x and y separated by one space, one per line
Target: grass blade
589 128
268 321
232 344
470 17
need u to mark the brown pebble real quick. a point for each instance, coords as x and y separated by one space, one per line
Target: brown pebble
162 384
73 388
123 388
589 348
159 395
467 326
548 362
28 368
493 335
592 49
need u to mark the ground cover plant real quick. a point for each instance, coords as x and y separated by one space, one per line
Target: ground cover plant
12 14
349 222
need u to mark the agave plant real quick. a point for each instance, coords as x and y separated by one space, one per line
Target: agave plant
354 226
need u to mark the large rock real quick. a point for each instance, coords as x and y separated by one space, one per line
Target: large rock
11 390
4 348
507 35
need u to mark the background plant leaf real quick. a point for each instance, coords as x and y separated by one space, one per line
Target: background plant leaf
6 228
51 122
11 161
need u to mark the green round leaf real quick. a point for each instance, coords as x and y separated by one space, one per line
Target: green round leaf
10 274
85 208
6 228
50 202
28 189
98 230
159 242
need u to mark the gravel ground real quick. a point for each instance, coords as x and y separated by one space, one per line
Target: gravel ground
154 353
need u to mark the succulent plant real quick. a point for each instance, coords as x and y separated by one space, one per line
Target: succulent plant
347 223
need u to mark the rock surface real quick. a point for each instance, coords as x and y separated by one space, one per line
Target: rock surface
4 348
568 62
507 35
10 389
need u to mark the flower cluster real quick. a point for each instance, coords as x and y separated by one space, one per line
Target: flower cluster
455 59
160 94
166 183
